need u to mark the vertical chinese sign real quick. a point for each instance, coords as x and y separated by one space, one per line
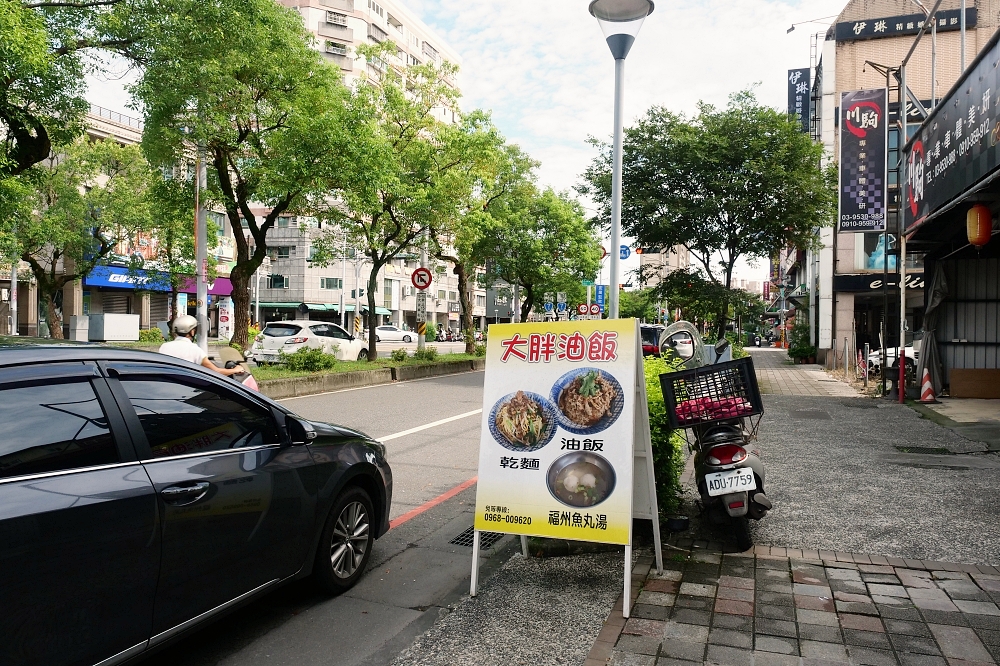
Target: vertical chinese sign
863 167
556 454
798 96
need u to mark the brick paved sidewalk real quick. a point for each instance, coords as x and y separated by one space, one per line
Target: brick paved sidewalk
775 375
777 607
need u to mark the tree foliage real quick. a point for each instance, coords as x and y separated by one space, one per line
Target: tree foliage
741 181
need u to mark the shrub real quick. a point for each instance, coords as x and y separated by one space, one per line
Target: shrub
431 332
308 359
798 340
668 445
427 354
150 335
480 350
252 333
398 355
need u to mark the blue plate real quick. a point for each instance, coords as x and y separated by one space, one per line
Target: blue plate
548 411
614 410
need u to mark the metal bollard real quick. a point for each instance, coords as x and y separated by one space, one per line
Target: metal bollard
847 360
865 360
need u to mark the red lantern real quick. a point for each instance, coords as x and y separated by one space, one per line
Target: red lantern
979 225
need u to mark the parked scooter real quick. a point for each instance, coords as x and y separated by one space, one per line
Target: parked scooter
716 401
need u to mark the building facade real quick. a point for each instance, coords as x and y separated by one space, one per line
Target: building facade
655 266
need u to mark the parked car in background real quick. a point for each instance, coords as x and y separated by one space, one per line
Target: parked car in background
650 334
142 496
891 353
291 336
392 334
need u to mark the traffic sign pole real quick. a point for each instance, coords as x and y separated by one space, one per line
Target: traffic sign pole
422 311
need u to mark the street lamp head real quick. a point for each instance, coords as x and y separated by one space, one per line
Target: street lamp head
620 21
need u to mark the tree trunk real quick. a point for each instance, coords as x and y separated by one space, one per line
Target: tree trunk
52 316
463 296
529 298
372 316
241 306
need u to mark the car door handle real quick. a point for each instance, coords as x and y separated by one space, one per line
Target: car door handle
181 495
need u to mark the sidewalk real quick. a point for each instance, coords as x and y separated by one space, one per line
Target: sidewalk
977 420
778 607
776 375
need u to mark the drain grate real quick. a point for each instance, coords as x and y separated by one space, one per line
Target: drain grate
923 449
486 539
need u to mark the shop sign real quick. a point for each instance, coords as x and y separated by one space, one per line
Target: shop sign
124 278
908 24
873 282
226 318
798 96
863 168
956 147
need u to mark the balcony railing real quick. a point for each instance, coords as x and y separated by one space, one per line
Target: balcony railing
115 117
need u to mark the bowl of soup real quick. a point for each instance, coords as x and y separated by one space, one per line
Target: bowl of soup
580 479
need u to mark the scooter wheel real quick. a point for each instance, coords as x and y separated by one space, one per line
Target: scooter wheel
741 528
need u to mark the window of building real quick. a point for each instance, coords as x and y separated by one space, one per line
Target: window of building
280 252
336 18
395 22
217 219
387 294
430 51
377 8
377 34
336 48
52 428
278 281
480 301
181 417
441 294
284 221
452 295
412 60
331 283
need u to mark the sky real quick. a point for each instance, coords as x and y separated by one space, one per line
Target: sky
544 71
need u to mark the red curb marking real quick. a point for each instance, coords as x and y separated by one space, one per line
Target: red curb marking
433 503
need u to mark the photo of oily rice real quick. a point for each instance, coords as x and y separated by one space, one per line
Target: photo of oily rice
588 399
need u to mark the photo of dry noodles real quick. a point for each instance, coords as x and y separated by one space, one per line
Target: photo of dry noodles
522 421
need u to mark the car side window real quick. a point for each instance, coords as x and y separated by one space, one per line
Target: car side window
339 333
182 417
53 427
321 329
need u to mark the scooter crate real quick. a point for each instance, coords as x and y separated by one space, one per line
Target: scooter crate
711 393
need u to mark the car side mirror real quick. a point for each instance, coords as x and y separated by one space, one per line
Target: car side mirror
299 432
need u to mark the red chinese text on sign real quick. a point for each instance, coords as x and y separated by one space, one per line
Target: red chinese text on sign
542 347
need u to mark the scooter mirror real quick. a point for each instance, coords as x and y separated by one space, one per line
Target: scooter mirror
680 344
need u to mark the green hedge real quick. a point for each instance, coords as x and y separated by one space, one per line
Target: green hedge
668 445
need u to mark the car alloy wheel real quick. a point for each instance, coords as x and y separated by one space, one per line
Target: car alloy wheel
406 338
349 544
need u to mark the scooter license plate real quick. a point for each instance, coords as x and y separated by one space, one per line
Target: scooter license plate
732 481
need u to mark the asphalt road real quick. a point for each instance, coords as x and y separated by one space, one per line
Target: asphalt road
431 429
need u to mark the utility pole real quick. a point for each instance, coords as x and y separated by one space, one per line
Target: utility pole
422 316
13 297
201 250
343 281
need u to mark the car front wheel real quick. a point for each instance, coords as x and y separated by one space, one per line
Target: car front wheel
363 355
406 338
346 543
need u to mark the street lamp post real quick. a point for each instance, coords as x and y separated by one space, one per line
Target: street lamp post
620 21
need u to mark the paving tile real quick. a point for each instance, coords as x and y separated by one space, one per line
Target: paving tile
739 639
946 617
915 659
856 608
666 574
762 658
907 628
737 622
814 603
887 579
915 581
776 644
816 617
857 598
962 589
775 598
685 632
927 593
701 578
775 588
686 650
696 590
729 656
735 594
781 564
697 603
892 601
949 574
870 639
989 637
854 586
642 627
807 578
656 598
828 651
977 607
812 590
733 607
691 616
916 644
667 586
668 661
638 644
738 582
887 590
899 613
843 574
821 633
650 612
776 612
960 643
862 622
963 662
872 568
771 627
627 658
935 604
709 558
871 657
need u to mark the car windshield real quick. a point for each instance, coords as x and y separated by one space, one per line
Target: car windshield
281 330
650 336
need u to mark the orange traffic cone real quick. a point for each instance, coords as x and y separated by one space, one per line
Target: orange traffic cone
927 389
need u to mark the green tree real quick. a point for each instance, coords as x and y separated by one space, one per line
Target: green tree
88 201
540 242
240 79
742 181
642 304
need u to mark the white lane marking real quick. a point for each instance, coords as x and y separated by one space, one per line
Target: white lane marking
427 426
373 386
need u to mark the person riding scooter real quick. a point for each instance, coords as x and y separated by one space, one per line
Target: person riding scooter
185 327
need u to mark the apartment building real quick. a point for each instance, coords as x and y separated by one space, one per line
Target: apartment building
655 266
852 55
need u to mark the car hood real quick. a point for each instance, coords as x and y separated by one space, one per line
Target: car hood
337 431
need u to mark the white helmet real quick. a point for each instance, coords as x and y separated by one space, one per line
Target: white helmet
184 324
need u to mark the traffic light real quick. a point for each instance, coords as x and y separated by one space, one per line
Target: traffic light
357 293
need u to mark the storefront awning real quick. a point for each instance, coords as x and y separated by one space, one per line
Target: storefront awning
378 309
279 306
220 286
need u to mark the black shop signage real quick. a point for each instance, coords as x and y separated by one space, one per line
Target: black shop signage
863 139
798 96
873 282
910 24
956 147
